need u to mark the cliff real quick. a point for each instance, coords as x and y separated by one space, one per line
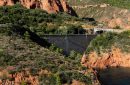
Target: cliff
115 58
51 6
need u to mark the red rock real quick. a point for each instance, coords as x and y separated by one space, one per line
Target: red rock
51 6
114 59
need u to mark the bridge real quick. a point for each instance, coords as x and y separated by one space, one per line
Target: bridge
75 42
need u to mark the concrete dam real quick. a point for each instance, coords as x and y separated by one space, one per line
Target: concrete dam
76 42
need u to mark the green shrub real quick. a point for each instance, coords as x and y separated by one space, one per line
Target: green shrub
23 83
6 59
36 20
48 79
58 79
67 77
117 27
23 53
56 49
105 41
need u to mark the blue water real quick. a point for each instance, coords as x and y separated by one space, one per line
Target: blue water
114 76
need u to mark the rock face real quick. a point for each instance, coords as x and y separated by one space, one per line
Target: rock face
6 2
114 59
51 6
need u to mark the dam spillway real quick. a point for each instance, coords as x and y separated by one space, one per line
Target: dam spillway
75 42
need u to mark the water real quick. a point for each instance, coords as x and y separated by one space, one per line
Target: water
115 76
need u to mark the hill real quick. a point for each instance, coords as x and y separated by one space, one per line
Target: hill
38 21
26 58
111 13
109 50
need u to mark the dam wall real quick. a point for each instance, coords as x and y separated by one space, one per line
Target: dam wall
76 42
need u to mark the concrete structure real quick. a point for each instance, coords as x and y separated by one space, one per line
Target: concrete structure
101 30
77 42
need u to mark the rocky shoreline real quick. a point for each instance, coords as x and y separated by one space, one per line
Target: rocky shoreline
116 58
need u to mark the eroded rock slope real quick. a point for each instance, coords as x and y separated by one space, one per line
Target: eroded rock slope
51 6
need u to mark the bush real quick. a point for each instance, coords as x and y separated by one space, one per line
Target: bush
56 49
117 3
105 41
58 79
37 20
23 53
6 59
67 77
48 79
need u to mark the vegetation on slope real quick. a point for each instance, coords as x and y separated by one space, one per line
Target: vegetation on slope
116 3
109 50
17 49
110 13
24 54
106 41
95 11
39 21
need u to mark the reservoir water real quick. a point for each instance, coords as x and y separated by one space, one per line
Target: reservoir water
114 76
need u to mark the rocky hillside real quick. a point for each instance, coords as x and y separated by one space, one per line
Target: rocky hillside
115 58
51 6
108 50
27 59
109 12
